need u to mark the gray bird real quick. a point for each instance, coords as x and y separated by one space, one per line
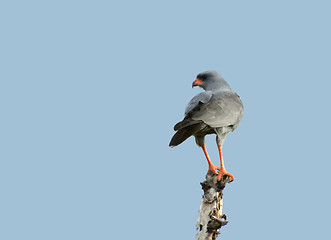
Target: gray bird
218 111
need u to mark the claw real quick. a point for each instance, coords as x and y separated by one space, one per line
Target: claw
223 172
213 169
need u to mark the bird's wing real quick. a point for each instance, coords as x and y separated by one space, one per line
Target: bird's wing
197 100
223 109
193 106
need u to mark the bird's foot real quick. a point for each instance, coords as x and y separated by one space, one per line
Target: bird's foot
222 172
213 168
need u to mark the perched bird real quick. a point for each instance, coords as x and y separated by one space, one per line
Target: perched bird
218 111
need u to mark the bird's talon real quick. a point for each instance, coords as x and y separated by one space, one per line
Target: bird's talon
222 173
214 169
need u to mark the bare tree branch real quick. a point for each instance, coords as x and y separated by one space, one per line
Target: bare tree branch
211 217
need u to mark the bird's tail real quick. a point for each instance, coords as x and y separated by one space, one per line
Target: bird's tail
182 134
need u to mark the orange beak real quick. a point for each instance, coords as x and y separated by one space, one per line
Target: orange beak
197 82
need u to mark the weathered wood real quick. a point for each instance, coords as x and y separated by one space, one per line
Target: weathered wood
211 217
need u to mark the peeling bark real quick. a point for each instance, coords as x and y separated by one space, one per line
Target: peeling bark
211 217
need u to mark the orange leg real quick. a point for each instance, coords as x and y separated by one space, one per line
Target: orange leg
211 166
222 168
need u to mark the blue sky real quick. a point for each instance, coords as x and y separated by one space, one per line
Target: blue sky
90 91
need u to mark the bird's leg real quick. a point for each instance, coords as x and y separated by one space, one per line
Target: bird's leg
211 166
222 170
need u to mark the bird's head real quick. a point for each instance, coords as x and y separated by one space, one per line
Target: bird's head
210 81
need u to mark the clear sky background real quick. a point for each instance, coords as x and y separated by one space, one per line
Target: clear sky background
90 91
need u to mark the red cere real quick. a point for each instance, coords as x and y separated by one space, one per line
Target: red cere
198 82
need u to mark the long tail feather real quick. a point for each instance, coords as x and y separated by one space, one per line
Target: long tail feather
182 134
